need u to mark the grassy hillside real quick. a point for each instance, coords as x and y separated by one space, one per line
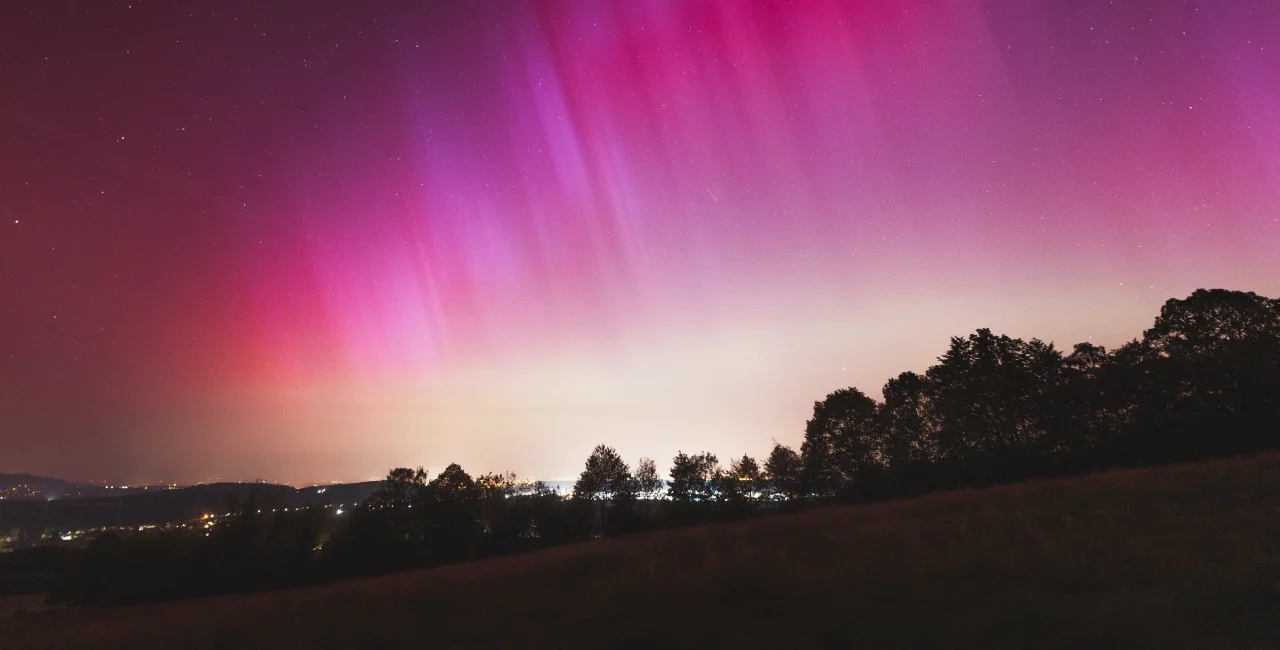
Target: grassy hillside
1178 557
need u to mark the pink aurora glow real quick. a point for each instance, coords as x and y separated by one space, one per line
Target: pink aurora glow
503 233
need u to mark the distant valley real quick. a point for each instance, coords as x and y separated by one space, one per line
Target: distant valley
43 507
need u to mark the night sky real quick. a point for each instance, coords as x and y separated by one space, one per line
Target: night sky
309 241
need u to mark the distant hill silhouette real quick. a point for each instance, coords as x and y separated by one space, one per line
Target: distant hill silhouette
162 506
57 488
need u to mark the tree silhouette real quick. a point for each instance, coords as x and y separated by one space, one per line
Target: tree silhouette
840 441
607 485
1214 323
987 392
499 485
693 477
453 484
784 474
648 482
1208 374
400 489
907 431
605 475
1083 412
743 481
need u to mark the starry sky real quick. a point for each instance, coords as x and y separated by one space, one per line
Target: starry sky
309 241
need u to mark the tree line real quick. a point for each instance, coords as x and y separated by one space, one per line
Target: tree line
1202 382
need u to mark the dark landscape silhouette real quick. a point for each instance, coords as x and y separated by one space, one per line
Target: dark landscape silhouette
1203 382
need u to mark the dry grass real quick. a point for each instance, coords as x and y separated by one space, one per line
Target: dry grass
1178 557
21 604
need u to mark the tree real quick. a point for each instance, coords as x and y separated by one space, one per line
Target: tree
1215 323
693 477
742 482
648 483
451 506
1085 412
493 490
840 440
496 485
390 528
907 435
1208 371
784 474
604 476
453 484
987 392
551 517
605 494
400 489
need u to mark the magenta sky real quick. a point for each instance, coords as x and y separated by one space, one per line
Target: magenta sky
308 243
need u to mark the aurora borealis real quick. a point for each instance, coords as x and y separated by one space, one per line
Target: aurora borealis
310 241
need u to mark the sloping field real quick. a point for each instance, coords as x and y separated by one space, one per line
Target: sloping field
1178 557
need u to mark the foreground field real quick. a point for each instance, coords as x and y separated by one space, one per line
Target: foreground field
1177 557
